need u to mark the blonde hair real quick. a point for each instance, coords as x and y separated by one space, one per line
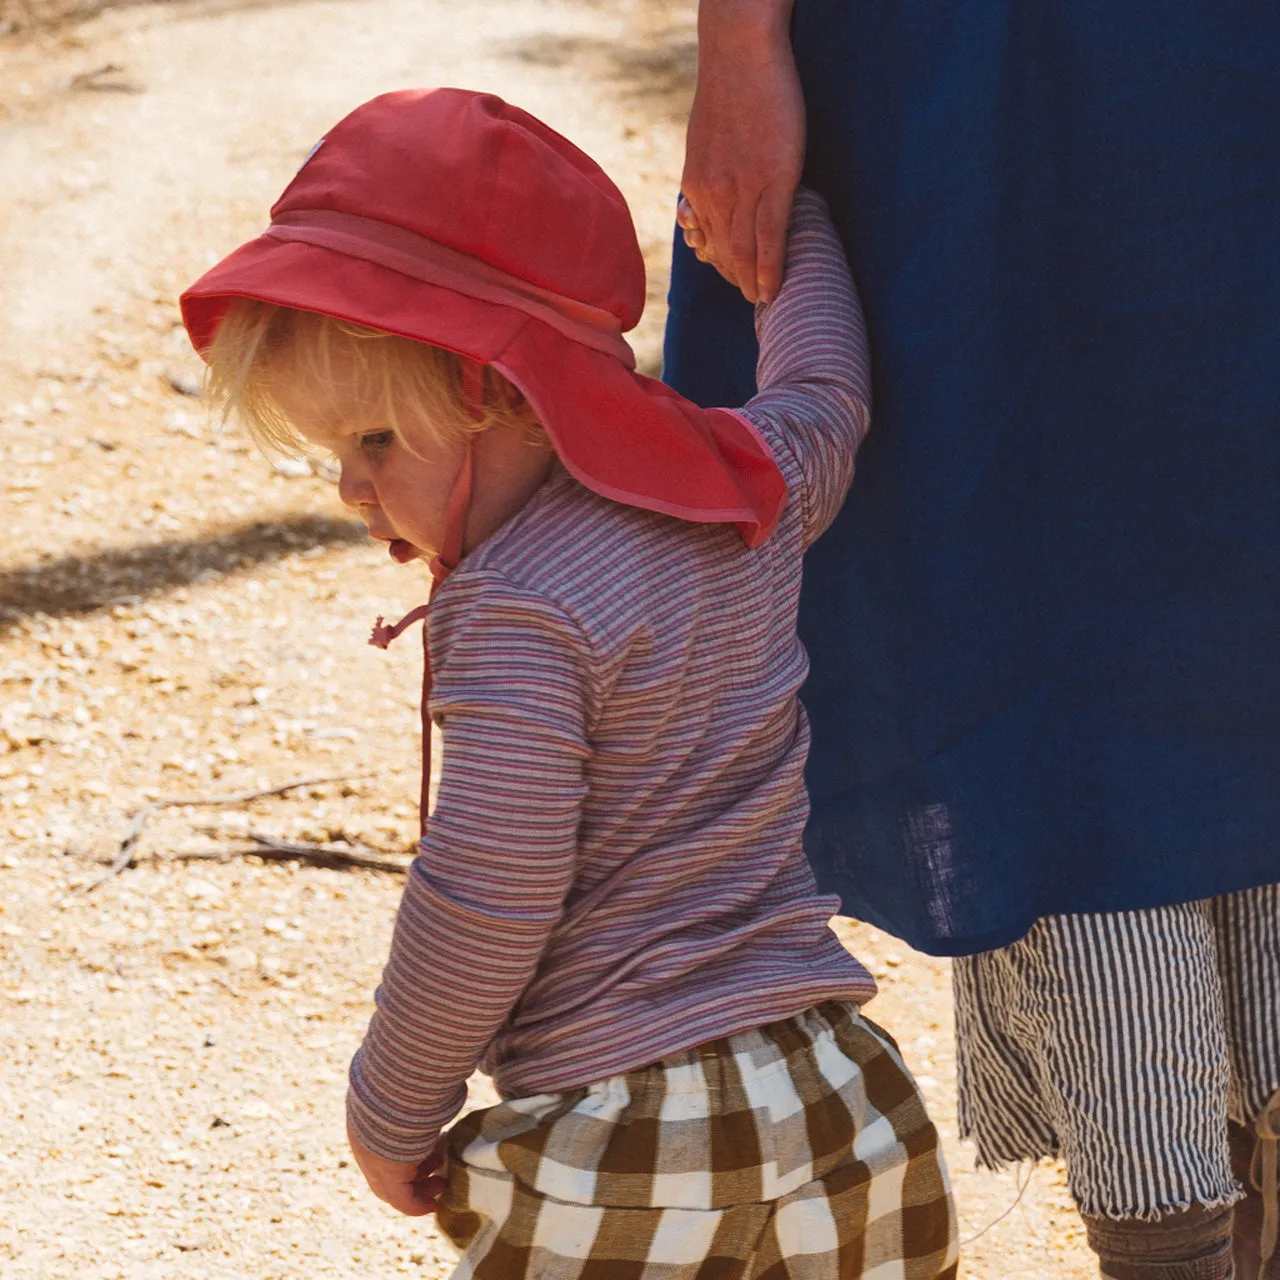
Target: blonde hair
394 380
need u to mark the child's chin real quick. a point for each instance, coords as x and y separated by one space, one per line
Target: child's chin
402 552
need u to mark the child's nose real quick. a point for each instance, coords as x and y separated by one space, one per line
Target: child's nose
354 489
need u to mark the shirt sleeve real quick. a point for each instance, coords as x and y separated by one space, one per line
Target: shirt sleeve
510 691
813 407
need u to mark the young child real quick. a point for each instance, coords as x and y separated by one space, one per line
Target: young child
611 910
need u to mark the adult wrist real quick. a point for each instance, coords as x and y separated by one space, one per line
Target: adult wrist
744 24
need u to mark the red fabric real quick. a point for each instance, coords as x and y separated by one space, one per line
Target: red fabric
468 172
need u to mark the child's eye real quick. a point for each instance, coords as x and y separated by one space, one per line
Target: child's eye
376 441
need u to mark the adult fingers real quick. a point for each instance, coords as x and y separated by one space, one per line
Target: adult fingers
690 227
773 213
700 240
742 249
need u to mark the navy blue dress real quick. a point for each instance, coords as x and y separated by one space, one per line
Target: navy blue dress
1045 632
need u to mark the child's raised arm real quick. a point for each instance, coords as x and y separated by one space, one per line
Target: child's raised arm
814 401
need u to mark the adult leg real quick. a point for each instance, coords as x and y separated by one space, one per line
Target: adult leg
1247 928
1113 1027
1186 1244
1255 1227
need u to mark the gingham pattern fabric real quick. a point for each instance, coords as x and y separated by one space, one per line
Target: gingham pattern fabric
1125 1040
796 1151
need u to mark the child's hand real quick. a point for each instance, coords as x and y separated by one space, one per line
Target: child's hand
412 1188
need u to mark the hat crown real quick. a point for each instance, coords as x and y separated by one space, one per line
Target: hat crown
472 172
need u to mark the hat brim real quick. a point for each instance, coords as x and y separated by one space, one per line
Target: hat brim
627 437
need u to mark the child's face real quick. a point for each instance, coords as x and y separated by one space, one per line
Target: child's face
400 493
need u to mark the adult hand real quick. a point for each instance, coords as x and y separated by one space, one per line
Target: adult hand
411 1186
745 145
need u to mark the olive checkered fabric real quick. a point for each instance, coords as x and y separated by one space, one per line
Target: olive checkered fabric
796 1151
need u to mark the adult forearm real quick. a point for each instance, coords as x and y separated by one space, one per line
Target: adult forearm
725 25
745 144
743 23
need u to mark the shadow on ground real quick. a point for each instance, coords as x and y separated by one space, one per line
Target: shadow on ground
84 584
24 16
655 73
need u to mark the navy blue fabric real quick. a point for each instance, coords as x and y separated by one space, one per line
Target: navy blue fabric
1045 631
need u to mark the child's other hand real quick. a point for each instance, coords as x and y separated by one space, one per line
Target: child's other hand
414 1188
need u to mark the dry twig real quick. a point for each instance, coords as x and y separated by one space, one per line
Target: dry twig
273 849
108 78
138 820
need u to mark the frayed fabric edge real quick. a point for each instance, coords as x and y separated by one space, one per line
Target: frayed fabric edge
1154 1215
1002 1164
984 1157
992 1163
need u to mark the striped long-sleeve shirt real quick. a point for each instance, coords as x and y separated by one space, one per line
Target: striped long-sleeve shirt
614 870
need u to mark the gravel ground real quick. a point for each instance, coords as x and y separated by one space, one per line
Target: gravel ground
180 621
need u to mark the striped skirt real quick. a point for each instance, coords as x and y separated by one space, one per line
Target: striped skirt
1125 1042
796 1151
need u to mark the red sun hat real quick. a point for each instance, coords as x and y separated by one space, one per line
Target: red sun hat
452 218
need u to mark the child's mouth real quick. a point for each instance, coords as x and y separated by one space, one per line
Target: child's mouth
401 551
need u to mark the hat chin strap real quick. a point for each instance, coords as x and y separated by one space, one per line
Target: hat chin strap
457 509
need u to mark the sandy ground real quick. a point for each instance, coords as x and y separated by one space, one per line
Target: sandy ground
179 620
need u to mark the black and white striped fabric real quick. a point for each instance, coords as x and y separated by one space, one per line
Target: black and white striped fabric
1124 1042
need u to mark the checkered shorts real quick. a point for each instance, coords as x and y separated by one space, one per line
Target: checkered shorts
796 1151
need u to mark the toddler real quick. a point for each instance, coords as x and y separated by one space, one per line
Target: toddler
610 911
